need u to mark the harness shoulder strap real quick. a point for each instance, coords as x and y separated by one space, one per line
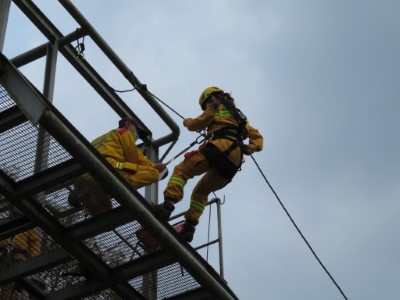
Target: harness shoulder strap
239 116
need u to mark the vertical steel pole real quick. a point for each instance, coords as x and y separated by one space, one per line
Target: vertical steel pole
221 255
151 191
150 280
42 149
4 11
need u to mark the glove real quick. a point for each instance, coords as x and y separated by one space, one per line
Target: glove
247 150
190 154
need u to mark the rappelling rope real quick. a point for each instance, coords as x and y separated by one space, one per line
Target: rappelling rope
196 141
173 110
298 230
158 99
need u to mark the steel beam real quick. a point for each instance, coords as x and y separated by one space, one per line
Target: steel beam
146 264
117 61
4 11
99 224
7 186
14 227
32 288
77 291
10 118
82 290
41 51
48 178
82 66
196 294
21 92
33 265
138 267
86 257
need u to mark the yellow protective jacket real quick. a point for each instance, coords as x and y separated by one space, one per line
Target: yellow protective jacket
22 246
119 149
216 118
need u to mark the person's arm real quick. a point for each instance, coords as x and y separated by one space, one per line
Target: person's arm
202 121
135 160
256 141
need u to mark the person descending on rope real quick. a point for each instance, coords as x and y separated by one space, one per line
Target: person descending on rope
219 158
119 148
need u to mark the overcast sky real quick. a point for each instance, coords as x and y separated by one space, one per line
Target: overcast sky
319 79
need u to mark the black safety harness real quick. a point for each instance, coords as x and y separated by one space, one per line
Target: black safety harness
219 159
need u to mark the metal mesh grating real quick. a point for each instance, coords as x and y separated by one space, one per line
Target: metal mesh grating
56 202
18 148
5 101
117 246
4 207
32 243
60 277
170 281
7 211
174 280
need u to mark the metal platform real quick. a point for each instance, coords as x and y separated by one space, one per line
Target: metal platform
42 156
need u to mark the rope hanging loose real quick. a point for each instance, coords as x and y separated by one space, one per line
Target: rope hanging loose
123 91
298 230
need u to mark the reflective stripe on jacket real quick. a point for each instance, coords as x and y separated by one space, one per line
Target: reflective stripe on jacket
119 149
217 118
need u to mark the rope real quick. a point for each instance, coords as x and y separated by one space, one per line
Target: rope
196 141
158 99
123 91
298 230
173 110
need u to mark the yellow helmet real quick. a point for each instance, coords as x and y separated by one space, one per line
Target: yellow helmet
206 93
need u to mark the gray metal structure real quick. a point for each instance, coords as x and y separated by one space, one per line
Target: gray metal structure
41 156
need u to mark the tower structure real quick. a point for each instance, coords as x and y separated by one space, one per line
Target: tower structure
41 156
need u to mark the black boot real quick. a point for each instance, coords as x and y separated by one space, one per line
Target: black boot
187 231
164 210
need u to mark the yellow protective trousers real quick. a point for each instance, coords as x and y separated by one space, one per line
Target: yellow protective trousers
210 182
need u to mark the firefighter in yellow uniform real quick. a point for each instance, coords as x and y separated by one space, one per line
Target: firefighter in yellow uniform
119 148
220 158
15 249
